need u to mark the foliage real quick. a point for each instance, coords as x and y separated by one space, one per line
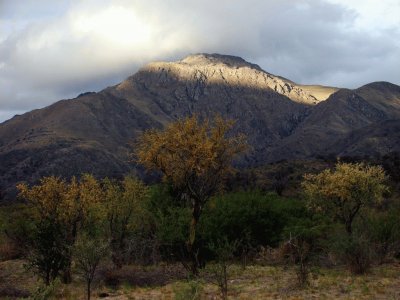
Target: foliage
252 216
256 218
355 251
167 222
121 202
48 291
383 229
18 228
195 158
345 191
376 239
49 252
59 209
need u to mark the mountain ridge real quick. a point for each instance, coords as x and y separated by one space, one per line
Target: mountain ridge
94 132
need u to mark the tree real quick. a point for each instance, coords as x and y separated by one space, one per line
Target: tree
195 158
121 201
59 209
80 200
88 252
342 193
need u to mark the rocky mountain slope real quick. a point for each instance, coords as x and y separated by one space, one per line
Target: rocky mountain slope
283 120
344 122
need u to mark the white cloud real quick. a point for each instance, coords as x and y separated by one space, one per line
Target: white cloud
373 15
50 50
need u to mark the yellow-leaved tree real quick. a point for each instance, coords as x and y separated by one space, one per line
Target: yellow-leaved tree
195 157
343 192
59 209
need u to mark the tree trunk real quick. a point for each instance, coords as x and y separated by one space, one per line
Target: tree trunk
349 228
67 276
88 289
47 279
196 211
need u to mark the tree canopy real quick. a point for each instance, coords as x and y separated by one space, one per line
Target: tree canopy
344 191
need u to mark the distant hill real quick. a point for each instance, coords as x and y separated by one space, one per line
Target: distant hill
283 120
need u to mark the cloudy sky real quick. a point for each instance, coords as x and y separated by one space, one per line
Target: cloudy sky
51 50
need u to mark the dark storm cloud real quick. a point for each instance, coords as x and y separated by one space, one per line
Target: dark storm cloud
51 53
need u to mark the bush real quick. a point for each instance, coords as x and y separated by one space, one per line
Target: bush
257 218
48 256
303 241
167 222
355 251
223 251
18 229
375 240
383 234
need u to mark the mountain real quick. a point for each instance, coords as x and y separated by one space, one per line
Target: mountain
283 120
345 121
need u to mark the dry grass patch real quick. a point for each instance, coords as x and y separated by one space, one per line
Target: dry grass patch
255 282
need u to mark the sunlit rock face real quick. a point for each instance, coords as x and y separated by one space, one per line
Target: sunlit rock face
282 120
201 70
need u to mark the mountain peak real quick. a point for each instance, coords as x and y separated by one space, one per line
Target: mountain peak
205 70
380 85
215 58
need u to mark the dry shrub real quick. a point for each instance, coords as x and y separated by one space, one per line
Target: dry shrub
297 251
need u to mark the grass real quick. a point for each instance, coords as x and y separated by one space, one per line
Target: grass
255 282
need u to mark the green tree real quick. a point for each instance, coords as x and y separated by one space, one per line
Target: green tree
195 158
344 194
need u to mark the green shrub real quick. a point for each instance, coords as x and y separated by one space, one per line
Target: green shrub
168 222
355 251
383 234
252 216
18 228
303 242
